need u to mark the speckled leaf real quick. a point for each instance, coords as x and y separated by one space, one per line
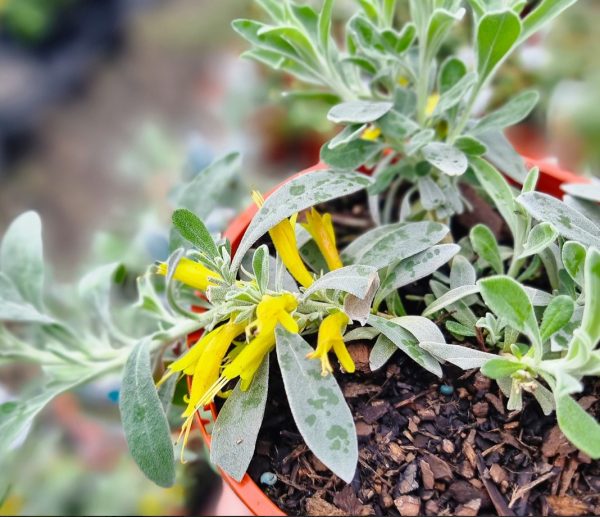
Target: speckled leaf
416 267
567 221
399 242
296 195
358 112
461 356
451 297
356 280
539 238
318 406
406 342
462 272
235 432
21 257
144 421
446 158
351 155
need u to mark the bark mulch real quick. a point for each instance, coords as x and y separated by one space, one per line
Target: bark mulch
423 452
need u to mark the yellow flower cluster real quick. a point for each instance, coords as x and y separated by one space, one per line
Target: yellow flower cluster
217 358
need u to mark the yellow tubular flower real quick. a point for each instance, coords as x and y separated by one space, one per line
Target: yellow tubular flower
271 311
371 133
432 103
191 273
330 337
206 371
284 240
320 228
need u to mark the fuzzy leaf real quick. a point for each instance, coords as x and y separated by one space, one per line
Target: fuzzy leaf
416 267
296 195
22 257
539 238
356 280
461 356
515 110
567 221
406 342
502 154
144 421
451 297
500 367
508 300
350 156
318 406
462 272
446 158
590 323
235 432
587 191
386 244
485 245
193 230
578 426
358 112
498 189
573 257
544 13
556 316
497 34
381 353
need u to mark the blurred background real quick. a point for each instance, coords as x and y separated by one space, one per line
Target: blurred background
105 105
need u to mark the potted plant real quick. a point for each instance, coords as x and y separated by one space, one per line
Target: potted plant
411 339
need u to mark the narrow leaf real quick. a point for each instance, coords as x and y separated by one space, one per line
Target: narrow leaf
358 112
318 406
235 432
192 229
499 368
556 316
579 427
461 356
513 112
296 195
144 421
539 238
485 245
451 297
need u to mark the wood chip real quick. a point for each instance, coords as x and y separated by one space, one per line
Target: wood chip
496 402
408 480
470 509
346 500
356 389
360 353
447 446
498 474
567 505
526 488
481 409
363 430
440 469
481 382
316 505
396 452
408 506
427 475
567 476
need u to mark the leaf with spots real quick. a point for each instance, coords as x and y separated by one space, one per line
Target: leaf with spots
567 221
296 195
318 406
416 267
407 342
235 432
387 244
144 420
446 158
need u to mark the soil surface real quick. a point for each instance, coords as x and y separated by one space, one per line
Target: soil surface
430 447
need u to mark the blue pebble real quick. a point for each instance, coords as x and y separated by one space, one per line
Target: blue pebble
268 478
113 396
445 389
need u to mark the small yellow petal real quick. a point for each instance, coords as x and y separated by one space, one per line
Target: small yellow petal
432 103
340 350
321 230
284 240
191 273
371 133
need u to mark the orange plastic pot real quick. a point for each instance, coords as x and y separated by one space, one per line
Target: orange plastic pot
251 499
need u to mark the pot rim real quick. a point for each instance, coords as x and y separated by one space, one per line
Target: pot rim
552 176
